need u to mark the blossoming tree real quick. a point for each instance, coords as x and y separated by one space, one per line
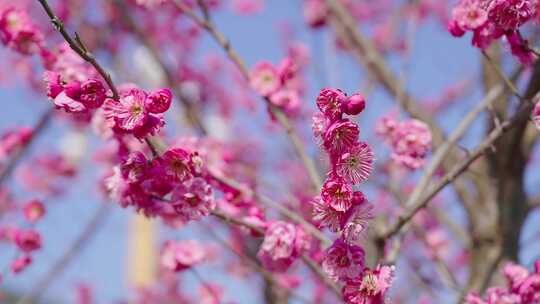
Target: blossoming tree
412 207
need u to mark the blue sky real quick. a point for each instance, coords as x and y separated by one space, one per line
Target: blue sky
439 60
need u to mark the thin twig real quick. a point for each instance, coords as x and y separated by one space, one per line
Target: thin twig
79 47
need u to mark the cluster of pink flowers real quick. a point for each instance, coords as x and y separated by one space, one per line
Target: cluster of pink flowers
410 140
26 240
490 20
18 32
137 112
339 207
278 84
522 287
181 255
283 244
75 96
172 185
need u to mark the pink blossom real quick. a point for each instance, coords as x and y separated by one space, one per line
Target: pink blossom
34 210
509 15
330 103
129 112
53 84
341 136
18 32
135 167
181 255
469 14
265 79
356 164
28 240
326 216
343 261
288 100
175 163
92 94
357 218
372 287
159 101
337 193
283 244
410 140
20 264
193 199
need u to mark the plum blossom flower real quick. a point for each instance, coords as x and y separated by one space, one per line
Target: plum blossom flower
28 240
159 101
181 255
470 14
523 286
93 94
341 136
288 100
193 199
175 163
356 164
337 193
283 244
326 216
134 168
509 15
411 143
265 79
330 103
357 218
18 32
343 261
34 210
129 112
371 288
410 140
53 83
